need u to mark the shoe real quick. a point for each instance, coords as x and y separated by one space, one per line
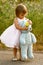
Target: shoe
14 59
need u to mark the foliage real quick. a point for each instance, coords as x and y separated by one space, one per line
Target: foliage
35 13
6 14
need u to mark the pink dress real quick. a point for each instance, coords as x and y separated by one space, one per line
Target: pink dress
10 37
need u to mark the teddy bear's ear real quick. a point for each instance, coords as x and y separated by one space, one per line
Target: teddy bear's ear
30 28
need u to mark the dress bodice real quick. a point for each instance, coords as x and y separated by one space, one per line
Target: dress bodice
22 22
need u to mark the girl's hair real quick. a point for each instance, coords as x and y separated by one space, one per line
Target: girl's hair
20 9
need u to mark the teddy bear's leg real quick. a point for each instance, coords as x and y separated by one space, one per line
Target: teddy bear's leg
24 52
30 51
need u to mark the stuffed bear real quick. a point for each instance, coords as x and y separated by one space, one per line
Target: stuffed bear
26 41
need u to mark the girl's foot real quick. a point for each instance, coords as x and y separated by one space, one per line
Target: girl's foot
14 59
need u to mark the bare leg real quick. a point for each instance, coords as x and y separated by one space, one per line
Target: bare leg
15 52
18 54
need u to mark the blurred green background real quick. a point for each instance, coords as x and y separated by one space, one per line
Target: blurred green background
35 13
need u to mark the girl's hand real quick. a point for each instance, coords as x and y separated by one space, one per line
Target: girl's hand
26 28
30 22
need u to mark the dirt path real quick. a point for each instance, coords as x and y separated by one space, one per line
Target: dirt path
6 56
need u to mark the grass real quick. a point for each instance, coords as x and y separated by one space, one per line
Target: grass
38 47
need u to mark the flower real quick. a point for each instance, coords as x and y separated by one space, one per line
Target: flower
27 24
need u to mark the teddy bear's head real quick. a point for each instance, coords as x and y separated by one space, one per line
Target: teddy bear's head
26 23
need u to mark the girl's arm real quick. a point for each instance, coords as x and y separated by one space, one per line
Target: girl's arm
18 26
30 22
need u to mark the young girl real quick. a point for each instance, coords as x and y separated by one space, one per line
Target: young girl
26 38
10 37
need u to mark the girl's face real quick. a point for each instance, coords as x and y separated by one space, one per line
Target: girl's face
21 15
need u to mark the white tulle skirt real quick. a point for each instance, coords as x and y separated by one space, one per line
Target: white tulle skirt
10 37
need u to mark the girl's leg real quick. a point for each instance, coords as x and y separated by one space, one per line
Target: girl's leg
15 52
19 54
